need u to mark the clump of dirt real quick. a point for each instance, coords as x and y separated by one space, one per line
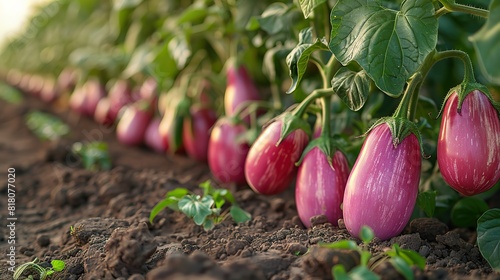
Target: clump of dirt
98 222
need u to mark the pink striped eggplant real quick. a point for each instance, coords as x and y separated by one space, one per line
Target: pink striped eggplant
270 164
152 137
196 132
131 127
227 152
382 188
240 88
468 150
320 186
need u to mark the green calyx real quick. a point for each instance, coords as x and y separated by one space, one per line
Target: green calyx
326 144
290 123
400 128
464 89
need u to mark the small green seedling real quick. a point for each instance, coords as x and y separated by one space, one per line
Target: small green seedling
10 94
401 259
93 155
205 210
46 126
56 266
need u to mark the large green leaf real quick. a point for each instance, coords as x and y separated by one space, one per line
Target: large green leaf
352 87
488 237
467 210
274 19
297 59
487 43
308 6
390 45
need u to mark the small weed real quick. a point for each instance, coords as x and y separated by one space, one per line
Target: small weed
205 210
93 155
401 259
44 273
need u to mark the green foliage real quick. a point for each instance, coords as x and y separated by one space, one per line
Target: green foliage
485 41
43 273
467 210
390 45
427 202
352 87
46 126
206 210
488 237
298 58
401 259
93 155
10 94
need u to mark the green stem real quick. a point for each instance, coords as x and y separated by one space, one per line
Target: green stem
318 93
331 67
407 106
451 6
275 94
252 105
468 69
321 69
325 105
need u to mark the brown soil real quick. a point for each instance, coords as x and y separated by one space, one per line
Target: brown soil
114 240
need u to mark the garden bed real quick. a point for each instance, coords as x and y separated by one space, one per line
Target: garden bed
112 238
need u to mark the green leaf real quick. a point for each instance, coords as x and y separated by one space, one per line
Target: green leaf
487 43
308 6
361 273
467 210
93 155
352 87
10 94
46 126
409 256
365 257
339 273
125 4
177 193
298 58
192 14
390 45
402 267
366 234
57 265
341 244
208 224
488 237
196 208
180 50
239 215
207 187
141 58
171 200
274 20
427 202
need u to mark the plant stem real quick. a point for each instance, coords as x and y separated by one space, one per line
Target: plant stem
331 68
451 6
408 104
325 105
318 93
321 69
275 94
468 69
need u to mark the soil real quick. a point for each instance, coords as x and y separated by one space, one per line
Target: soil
112 238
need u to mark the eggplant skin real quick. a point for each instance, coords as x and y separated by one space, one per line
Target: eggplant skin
319 189
468 150
269 167
382 188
